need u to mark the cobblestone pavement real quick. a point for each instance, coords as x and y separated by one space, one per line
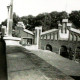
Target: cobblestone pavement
24 65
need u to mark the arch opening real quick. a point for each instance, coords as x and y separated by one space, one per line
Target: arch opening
63 51
49 47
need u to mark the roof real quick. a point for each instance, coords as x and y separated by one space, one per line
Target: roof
20 24
75 30
27 38
49 31
3 26
65 20
30 32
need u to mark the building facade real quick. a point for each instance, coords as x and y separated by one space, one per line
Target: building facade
62 40
27 37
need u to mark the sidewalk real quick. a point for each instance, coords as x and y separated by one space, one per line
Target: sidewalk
67 66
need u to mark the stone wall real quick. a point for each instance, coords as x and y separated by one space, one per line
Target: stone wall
25 34
56 44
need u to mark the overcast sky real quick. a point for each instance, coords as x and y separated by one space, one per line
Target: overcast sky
34 7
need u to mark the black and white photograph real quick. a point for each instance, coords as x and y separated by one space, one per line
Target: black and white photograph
39 39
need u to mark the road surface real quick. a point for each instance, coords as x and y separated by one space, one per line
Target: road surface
22 64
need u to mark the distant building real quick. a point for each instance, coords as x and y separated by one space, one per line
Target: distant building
3 30
27 37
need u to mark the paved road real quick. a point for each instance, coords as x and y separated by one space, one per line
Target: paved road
67 66
24 65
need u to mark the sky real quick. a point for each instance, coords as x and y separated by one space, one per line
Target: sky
35 7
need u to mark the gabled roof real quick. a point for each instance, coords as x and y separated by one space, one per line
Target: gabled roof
49 31
30 32
27 37
75 30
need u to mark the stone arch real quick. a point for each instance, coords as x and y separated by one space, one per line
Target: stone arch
49 47
63 51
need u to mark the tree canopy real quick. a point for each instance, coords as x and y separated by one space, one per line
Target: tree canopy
46 20
74 16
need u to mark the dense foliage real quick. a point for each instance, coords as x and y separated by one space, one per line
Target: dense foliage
75 18
46 20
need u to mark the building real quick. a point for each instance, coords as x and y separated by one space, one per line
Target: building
57 40
27 37
62 40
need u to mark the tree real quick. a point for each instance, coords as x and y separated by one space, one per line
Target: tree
28 21
4 23
16 18
24 19
46 20
74 16
57 16
62 15
0 27
43 20
46 23
15 21
54 19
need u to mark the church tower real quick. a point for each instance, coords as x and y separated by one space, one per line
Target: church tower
10 19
